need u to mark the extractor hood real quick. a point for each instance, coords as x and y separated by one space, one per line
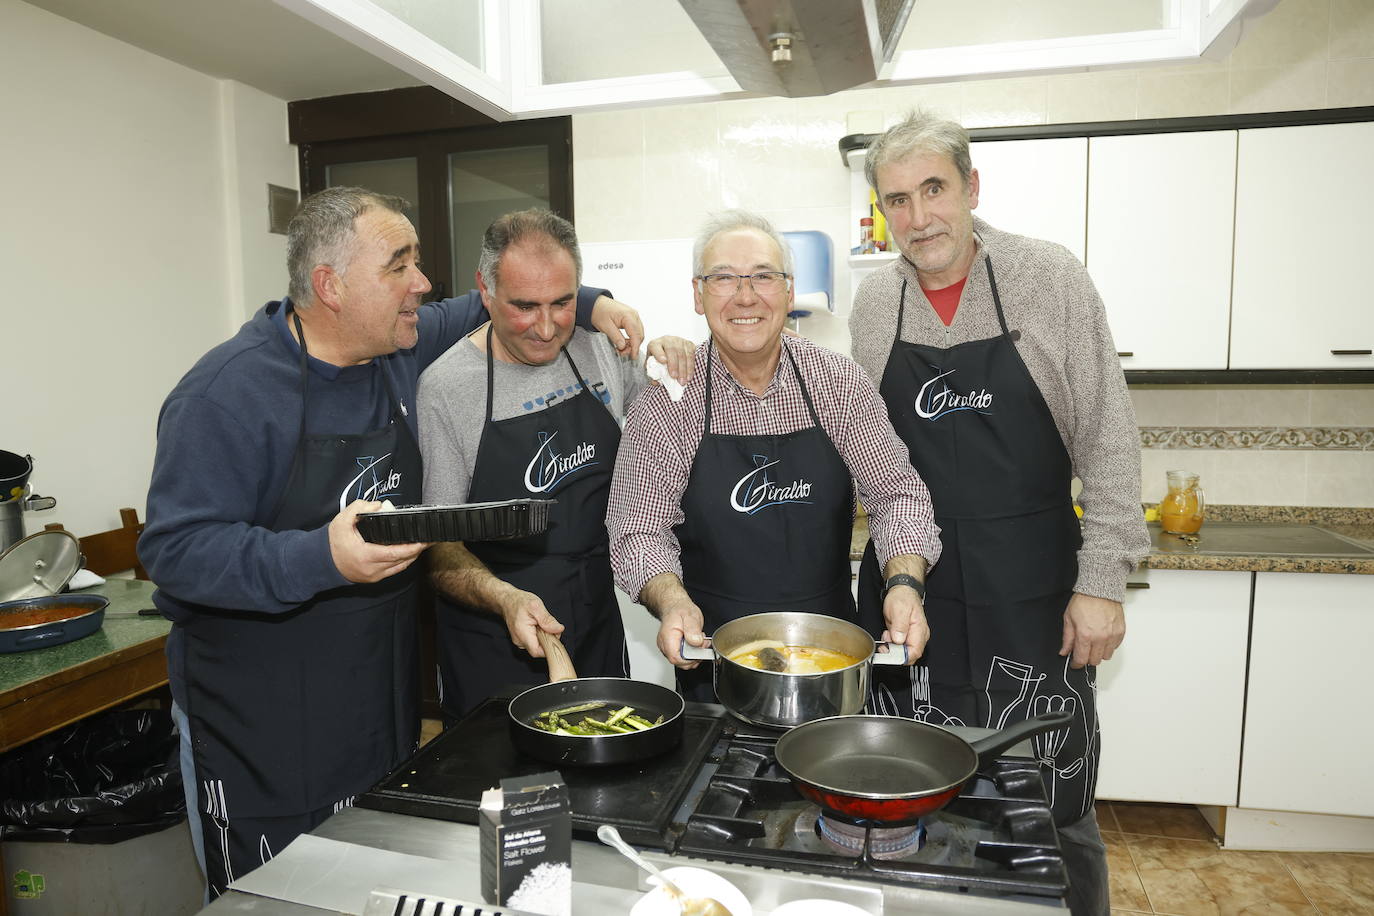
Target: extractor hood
801 47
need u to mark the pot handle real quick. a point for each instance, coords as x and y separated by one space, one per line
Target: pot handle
885 653
704 653
989 747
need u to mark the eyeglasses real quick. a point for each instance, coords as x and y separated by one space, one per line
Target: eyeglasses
765 282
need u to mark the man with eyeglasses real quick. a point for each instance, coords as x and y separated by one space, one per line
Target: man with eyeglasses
740 497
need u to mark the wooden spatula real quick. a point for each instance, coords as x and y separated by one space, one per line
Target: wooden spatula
560 663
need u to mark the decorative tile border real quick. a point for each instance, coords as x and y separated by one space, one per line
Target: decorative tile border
1344 438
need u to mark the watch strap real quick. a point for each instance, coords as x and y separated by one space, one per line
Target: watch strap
904 579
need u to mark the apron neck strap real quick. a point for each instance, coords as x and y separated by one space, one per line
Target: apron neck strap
806 395
491 373
996 303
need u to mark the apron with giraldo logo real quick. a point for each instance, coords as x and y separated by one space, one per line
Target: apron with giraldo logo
564 452
985 443
767 521
293 714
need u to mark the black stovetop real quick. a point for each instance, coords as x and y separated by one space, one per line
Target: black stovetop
445 778
721 795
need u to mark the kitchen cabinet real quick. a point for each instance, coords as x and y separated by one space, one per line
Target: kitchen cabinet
1036 188
1301 298
1307 737
1171 700
1160 214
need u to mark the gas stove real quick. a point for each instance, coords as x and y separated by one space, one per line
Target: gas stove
721 796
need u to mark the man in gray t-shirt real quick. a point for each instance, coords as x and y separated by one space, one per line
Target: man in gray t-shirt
527 406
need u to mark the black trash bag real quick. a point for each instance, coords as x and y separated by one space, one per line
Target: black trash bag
105 779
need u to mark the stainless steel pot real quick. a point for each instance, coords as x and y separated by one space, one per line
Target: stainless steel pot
783 699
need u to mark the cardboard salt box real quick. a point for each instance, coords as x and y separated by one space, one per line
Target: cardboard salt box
526 845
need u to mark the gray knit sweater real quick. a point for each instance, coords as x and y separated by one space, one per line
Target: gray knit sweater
1046 295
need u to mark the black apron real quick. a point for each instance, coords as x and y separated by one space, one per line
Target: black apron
565 452
984 440
766 527
297 712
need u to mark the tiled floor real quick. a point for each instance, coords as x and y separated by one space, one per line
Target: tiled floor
1165 859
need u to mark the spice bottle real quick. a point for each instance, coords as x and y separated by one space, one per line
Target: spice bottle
866 236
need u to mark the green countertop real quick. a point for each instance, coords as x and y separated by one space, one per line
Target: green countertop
127 596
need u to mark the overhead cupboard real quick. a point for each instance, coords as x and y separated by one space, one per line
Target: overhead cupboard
1239 249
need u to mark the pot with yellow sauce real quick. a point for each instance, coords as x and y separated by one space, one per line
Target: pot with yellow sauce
784 668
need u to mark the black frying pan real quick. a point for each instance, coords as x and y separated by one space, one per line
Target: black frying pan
649 701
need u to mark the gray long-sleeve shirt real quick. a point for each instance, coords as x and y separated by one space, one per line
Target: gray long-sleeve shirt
1066 344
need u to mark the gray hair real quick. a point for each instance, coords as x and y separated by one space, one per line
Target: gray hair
922 133
323 232
728 221
535 225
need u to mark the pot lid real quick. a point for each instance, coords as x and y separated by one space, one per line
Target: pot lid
39 565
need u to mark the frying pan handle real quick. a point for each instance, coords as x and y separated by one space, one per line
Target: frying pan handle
703 653
885 653
989 747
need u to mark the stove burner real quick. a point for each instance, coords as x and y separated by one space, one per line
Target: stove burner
883 842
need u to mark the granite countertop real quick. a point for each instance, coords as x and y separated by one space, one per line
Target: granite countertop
1352 526
118 632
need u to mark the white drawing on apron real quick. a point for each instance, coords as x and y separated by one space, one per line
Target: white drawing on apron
264 849
1022 678
218 811
1049 745
926 711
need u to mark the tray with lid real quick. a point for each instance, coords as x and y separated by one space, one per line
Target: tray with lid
489 521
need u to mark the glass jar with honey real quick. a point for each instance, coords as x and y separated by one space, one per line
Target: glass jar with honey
1180 512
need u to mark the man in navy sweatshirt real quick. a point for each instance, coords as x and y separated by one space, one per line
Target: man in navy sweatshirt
292 661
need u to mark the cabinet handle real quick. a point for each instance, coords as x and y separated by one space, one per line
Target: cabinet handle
1137 585
1352 352
1132 353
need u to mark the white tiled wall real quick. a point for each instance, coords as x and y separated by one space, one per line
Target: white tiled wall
654 172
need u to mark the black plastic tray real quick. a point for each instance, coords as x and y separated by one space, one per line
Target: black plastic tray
496 521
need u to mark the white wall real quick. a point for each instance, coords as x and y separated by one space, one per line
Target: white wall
121 248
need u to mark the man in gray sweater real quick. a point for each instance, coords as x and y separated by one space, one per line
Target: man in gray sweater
993 355
527 406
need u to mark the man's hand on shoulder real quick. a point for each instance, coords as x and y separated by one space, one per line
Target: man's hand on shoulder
611 317
360 561
678 354
1093 629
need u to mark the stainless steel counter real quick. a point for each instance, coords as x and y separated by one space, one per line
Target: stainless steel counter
604 883
444 857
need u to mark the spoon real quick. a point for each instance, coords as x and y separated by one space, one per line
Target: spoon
687 906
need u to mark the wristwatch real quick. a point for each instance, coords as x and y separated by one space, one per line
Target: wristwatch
904 579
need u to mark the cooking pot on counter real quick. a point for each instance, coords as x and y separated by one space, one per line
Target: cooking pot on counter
785 699
15 497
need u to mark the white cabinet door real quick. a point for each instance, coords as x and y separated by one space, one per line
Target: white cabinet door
1172 699
1037 188
1308 737
1160 215
1304 199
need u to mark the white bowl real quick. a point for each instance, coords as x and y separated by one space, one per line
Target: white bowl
817 907
695 882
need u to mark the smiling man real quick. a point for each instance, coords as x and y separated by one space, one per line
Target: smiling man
292 659
993 355
740 498
526 407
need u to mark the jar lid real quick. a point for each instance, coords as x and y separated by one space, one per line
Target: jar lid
39 565
866 221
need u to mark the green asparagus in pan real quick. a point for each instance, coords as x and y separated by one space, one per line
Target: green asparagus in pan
583 720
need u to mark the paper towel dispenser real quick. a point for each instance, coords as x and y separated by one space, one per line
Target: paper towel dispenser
813 263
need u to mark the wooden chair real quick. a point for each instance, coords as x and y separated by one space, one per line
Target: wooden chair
116 550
